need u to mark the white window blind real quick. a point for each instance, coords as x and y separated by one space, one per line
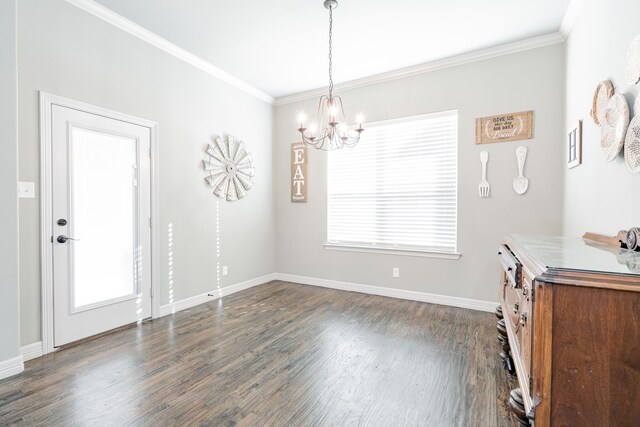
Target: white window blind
397 189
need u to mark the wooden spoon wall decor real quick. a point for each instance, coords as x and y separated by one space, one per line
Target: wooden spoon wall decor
521 183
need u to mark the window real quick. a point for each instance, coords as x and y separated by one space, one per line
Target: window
397 189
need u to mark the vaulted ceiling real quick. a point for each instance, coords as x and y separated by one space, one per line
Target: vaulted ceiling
280 46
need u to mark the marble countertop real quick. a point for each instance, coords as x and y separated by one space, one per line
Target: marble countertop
573 253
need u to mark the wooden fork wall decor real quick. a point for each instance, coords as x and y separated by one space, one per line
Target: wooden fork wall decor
484 187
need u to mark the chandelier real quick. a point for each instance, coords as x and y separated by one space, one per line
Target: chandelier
330 115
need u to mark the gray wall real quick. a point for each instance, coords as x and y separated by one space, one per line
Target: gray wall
9 316
600 197
66 51
531 80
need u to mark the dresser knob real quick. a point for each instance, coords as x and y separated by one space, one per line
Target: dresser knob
516 307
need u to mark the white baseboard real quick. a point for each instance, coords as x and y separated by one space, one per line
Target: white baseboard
11 367
31 351
472 304
214 294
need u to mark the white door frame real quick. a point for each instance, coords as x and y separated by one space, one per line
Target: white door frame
47 101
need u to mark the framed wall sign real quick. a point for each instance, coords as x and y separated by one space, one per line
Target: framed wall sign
298 172
505 127
574 146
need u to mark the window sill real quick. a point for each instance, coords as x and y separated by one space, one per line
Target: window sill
399 251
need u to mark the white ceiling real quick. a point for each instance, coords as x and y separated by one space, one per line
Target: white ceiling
280 46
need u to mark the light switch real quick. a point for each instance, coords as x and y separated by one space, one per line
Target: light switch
26 190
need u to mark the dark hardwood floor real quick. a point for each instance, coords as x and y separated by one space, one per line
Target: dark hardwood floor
279 354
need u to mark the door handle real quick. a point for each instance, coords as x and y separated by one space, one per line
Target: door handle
63 239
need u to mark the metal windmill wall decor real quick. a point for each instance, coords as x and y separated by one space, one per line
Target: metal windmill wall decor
230 168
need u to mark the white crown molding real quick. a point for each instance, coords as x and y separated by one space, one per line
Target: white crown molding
214 294
11 367
427 67
570 17
31 351
142 33
468 303
153 39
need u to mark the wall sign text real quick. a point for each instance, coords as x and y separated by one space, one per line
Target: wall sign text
505 127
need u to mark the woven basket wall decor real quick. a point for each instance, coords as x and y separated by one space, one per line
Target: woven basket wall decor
613 127
632 145
632 69
604 92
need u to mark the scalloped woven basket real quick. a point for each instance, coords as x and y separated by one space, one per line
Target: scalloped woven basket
632 69
604 92
632 145
613 127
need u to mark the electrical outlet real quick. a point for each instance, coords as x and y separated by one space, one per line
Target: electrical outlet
396 272
225 270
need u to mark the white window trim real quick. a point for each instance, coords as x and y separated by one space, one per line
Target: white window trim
393 251
334 246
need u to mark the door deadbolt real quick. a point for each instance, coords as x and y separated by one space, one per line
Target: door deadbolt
62 222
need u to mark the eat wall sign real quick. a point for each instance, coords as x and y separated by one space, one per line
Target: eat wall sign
505 127
298 172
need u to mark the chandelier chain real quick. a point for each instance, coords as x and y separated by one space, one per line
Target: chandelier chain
330 52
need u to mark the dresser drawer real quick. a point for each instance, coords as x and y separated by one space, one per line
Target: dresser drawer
517 313
509 264
512 305
524 330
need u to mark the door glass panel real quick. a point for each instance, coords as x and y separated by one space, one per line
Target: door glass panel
103 202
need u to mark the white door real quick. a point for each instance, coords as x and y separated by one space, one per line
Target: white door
101 223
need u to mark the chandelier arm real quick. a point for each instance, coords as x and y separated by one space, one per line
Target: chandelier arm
323 98
332 140
339 100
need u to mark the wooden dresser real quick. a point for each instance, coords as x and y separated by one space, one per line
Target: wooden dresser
569 324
